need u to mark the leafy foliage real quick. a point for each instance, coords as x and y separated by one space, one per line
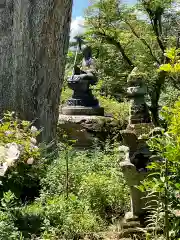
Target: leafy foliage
125 37
173 67
96 196
90 173
164 183
20 157
8 229
73 202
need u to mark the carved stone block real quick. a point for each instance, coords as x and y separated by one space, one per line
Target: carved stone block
2 3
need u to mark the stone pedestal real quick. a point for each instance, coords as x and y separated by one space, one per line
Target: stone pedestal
85 130
134 222
83 111
133 179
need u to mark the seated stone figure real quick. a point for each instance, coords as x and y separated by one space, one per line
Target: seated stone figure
80 83
83 102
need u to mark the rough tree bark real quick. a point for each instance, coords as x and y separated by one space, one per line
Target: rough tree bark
34 36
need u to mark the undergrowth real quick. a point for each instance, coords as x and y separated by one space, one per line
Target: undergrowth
76 194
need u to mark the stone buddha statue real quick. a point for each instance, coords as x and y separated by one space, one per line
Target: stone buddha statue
80 82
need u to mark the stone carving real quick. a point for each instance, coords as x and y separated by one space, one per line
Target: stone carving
80 83
136 157
133 179
139 153
134 170
83 101
136 151
139 112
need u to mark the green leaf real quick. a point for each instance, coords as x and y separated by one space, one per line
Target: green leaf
166 67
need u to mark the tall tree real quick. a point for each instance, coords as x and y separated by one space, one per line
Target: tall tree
33 45
140 35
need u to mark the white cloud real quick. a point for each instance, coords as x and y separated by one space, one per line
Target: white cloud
77 27
176 7
140 15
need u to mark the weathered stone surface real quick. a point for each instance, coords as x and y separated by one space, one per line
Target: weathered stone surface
133 178
140 128
85 129
2 3
80 110
80 83
136 91
136 150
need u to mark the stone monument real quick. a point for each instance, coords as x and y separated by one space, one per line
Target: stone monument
136 92
82 101
82 117
136 150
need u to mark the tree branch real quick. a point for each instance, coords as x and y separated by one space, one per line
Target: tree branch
114 42
143 41
155 27
155 18
178 40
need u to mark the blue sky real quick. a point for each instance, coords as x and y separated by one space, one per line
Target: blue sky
80 5
77 24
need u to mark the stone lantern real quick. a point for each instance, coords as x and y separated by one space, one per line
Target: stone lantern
136 150
136 91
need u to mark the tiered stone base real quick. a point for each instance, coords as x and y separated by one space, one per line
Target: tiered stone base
79 110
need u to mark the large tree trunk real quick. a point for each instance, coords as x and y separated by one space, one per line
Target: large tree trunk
34 36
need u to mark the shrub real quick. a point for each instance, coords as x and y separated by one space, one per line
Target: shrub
59 217
169 96
166 177
92 175
94 196
81 192
105 195
19 157
118 110
8 230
